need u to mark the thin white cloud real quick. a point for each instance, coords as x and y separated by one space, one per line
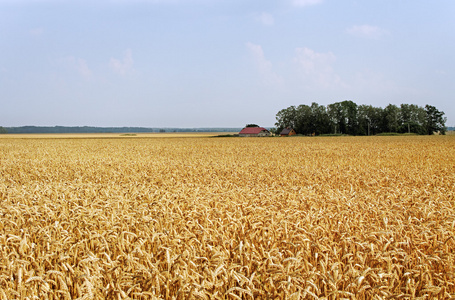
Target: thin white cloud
263 65
123 66
265 18
303 3
79 65
316 68
366 31
82 68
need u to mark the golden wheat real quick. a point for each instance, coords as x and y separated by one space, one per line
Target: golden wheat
227 218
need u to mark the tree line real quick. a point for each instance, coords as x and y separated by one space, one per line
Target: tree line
347 117
91 129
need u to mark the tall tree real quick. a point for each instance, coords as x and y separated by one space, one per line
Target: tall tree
320 121
370 119
350 113
304 119
286 117
412 119
391 118
435 120
344 115
336 116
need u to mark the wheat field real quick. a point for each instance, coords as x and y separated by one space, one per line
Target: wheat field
227 218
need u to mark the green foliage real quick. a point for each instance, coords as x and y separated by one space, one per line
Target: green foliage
343 116
320 119
274 131
391 118
347 117
3 130
370 119
412 119
435 122
286 118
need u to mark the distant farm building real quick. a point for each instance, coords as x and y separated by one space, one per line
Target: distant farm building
254 131
287 132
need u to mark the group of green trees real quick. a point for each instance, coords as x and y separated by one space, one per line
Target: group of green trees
349 118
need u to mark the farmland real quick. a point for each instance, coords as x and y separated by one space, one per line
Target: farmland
227 218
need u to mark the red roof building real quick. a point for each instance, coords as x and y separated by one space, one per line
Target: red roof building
254 131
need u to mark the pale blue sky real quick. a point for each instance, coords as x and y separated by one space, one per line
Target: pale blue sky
218 63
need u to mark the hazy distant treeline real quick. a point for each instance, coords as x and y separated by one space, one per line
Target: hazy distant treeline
90 129
349 118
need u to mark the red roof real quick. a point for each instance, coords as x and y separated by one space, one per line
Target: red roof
252 130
